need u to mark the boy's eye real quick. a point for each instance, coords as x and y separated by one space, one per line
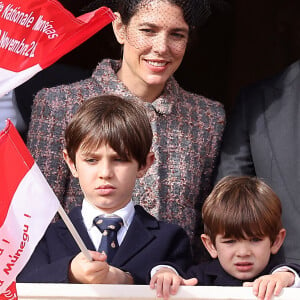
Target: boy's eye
118 159
90 160
230 241
255 239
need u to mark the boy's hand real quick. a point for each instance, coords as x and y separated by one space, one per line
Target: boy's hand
167 282
84 271
266 286
96 271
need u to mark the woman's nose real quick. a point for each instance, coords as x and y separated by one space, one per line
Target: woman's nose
160 43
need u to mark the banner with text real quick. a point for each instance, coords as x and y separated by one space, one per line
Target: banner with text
36 33
27 204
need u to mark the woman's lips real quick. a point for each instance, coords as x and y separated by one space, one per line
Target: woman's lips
156 65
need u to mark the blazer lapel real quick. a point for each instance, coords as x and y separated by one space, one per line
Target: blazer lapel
282 119
65 235
137 237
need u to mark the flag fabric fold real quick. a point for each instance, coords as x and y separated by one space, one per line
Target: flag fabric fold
27 203
36 33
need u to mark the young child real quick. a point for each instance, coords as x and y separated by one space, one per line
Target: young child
243 233
108 145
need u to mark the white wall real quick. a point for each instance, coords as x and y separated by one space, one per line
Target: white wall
29 291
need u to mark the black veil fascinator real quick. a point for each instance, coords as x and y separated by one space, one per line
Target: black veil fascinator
195 12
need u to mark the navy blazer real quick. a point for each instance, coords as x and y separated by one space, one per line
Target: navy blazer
262 139
212 273
147 242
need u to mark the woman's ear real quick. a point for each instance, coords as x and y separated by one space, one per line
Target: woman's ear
208 244
119 29
70 163
149 161
278 241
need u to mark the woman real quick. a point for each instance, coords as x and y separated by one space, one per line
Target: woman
187 127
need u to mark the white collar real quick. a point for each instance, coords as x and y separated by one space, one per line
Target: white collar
89 212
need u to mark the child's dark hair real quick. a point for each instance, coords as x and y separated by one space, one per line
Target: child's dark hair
242 207
121 124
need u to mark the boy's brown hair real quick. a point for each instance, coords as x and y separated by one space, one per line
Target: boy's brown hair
242 207
108 119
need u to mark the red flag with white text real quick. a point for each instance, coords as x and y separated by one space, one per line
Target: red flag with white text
36 33
27 203
10 293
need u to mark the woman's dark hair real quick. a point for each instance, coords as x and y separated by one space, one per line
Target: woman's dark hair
195 12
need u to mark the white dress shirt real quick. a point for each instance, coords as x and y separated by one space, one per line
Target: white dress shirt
89 212
288 269
9 110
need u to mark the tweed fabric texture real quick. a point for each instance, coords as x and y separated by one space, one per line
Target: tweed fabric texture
187 135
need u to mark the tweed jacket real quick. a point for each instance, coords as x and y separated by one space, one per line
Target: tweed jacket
187 133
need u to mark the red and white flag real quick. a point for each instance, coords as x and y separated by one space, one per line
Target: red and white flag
27 204
10 293
36 33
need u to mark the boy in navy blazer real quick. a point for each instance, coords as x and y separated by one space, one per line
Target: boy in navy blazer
243 233
108 144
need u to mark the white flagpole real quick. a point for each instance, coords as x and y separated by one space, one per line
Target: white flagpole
74 232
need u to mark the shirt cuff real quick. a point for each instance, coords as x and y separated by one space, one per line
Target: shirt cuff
157 268
288 269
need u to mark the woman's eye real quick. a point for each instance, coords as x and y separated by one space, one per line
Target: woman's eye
178 35
147 30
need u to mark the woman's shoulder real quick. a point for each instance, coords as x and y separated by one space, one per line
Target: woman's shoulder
85 88
58 100
65 95
201 100
201 104
185 97
67 90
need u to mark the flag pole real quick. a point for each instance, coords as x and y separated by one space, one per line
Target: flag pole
74 233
